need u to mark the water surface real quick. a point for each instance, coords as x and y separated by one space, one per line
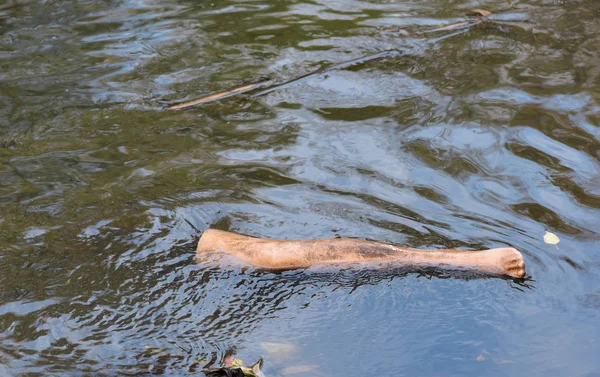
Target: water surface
471 138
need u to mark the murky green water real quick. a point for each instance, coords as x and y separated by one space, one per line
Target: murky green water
477 137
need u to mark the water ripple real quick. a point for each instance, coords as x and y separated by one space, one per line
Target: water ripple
480 137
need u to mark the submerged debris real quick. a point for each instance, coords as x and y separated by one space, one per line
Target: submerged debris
218 96
480 14
287 84
234 368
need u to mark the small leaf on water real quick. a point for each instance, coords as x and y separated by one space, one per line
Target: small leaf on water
236 371
248 372
254 370
237 363
479 13
551 238
232 362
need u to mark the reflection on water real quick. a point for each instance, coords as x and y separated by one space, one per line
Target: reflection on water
478 137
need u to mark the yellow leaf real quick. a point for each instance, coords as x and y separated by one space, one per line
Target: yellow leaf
232 362
551 238
237 363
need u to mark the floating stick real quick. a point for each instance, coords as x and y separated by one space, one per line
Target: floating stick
480 14
218 96
349 63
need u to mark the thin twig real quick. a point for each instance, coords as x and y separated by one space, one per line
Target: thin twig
385 54
350 63
218 96
189 351
287 84
458 25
